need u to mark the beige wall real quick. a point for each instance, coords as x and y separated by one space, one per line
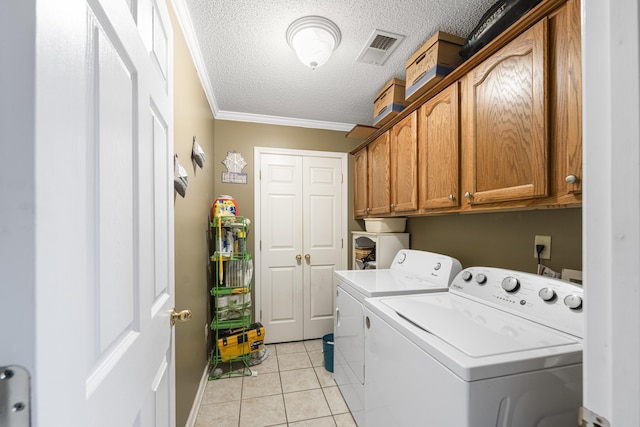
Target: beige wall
243 137
192 117
502 239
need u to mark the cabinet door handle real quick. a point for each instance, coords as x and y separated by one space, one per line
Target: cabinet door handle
452 197
392 205
571 179
468 195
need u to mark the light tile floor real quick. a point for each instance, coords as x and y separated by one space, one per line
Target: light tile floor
292 388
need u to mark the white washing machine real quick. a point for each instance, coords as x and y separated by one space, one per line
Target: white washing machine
411 272
500 348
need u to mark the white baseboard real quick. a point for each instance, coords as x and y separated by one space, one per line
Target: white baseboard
191 421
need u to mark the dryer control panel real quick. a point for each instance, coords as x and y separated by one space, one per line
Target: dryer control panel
551 302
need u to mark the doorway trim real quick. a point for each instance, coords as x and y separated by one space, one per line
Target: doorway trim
344 229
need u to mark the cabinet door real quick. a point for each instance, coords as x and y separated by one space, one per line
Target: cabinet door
404 164
360 174
379 159
505 122
438 148
566 100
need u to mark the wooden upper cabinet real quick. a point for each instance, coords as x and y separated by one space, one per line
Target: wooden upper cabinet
565 101
439 148
379 161
574 99
404 164
360 184
504 134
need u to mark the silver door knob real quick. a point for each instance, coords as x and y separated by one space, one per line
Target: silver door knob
468 195
452 197
571 179
392 205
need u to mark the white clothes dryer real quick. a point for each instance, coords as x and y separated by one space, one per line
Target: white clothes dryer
500 348
411 272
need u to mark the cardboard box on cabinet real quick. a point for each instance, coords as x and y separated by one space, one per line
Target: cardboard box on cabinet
389 102
435 59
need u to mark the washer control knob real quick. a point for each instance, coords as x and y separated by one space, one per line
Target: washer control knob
510 284
572 301
466 276
547 294
481 279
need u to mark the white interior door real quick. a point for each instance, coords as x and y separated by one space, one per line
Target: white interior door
105 215
281 254
322 240
301 227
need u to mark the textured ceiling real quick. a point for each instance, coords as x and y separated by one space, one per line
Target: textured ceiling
253 75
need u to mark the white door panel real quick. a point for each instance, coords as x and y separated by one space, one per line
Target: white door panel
301 226
282 303
321 292
114 173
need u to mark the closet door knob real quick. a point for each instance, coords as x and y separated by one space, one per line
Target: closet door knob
298 257
307 257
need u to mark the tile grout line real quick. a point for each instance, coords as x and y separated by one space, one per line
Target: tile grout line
317 375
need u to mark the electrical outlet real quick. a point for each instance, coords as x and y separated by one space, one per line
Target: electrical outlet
546 252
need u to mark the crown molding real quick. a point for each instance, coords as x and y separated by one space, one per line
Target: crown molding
184 19
283 121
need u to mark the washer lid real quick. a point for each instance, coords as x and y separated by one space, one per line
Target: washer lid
373 283
473 328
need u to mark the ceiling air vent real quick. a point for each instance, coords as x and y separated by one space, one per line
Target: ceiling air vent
379 47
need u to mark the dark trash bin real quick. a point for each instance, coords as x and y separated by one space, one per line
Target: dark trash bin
327 349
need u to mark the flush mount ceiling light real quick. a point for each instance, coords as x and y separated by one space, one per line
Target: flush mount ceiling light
313 38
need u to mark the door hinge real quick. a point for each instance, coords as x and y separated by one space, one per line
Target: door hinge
15 405
261 315
342 243
591 419
341 178
260 174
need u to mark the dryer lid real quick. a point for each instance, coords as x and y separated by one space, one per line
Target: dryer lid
473 328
